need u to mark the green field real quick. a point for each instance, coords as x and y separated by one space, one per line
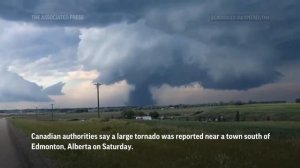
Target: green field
282 150
280 120
248 112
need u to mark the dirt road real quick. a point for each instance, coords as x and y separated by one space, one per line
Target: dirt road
8 153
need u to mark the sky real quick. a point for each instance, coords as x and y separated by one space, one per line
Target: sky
147 52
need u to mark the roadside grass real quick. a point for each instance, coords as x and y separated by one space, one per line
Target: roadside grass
282 150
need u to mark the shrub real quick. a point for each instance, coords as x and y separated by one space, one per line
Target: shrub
237 116
154 114
128 114
140 113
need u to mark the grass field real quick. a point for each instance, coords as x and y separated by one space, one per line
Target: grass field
282 150
248 112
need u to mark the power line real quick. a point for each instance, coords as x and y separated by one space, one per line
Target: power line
52 111
36 112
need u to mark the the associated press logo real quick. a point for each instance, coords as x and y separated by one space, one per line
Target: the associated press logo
57 17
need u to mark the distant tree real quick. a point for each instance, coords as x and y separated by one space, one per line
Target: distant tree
81 110
128 114
154 114
298 100
239 103
251 102
140 113
220 118
237 116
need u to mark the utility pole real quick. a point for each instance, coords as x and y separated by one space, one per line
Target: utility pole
98 109
36 113
52 111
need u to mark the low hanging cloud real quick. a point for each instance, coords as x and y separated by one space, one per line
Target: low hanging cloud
145 57
14 88
179 44
54 90
195 93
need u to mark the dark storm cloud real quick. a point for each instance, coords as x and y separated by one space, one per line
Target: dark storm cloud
26 52
175 42
55 89
236 55
14 88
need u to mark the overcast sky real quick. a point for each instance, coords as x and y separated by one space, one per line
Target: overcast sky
147 52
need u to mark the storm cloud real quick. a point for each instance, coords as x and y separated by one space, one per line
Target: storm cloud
28 52
179 45
55 89
14 88
152 43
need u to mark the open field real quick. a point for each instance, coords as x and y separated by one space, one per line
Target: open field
248 112
280 120
282 150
